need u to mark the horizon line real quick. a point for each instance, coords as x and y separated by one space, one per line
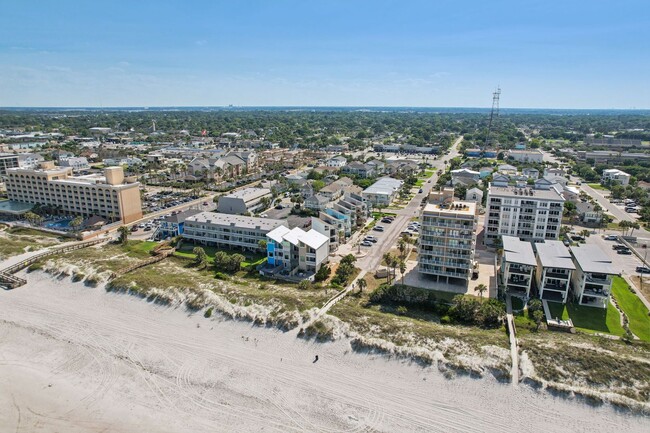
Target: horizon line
154 107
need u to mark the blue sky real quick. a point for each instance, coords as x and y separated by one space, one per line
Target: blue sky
546 54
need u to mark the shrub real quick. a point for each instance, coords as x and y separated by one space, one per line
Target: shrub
263 286
208 313
221 276
534 305
402 310
77 276
304 285
35 267
445 320
323 273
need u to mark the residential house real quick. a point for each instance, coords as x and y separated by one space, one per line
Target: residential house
317 202
593 276
613 175
518 265
554 268
465 177
500 180
378 166
359 169
475 195
507 169
292 252
530 173
587 213
29 160
77 164
335 189
338 161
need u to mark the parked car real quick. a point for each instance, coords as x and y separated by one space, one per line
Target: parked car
370 239
625 252
619 247
407 233
386 220
610 237
366 244
420 190
378 228
643 269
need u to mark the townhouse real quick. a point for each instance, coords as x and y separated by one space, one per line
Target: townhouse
518 265
591 282
295 252
554 269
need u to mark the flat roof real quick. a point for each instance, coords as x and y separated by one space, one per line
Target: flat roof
248 194
539 194
453 208
239 221
278 233
385 185
553 254
590 258
181 216
518 251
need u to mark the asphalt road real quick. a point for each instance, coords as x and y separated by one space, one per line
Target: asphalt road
393 231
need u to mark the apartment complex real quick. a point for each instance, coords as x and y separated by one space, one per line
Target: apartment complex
554 269
518 265
228 231
526 155
111 196
296 250
448 240
533 214
243 201
592 280
7 160
382 192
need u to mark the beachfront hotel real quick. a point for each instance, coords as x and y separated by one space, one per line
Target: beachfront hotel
448 240
111 196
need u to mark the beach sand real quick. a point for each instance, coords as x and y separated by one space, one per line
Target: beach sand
79 359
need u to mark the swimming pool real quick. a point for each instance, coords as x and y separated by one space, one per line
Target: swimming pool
61 224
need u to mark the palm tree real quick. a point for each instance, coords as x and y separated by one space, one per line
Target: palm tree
123 235
633 226
401 245
402 269
361 284
481 288
624 225
388 259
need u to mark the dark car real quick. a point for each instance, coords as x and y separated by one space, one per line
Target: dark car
619 247
625 252
643 269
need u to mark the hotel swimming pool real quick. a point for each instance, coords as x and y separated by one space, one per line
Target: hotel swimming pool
59 225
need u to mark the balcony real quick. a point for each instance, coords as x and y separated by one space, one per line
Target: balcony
596 291
518 269
558 275
555 287
523 282
598 278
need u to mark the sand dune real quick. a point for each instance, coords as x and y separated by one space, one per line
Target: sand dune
74 358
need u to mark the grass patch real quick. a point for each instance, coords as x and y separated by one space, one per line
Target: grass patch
17 240
634 308
589 319
597 186
252 259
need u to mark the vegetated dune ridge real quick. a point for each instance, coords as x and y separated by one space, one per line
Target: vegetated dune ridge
74 358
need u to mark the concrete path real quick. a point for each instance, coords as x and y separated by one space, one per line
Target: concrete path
514 350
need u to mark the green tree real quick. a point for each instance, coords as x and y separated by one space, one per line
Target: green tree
123 235
361 284
76 223
304 285
402 269
261 244
323 273
200 257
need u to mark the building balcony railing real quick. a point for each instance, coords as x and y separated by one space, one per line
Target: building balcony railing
560 276
598 278
526 270
555 288
590 291
518 282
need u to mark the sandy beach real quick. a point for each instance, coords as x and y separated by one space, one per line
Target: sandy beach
74 358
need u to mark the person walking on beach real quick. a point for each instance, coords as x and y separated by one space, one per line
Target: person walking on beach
316 358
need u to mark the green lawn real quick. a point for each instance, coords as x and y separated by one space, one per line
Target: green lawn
252 259
635 309
589 319
597 186
427 174
419 182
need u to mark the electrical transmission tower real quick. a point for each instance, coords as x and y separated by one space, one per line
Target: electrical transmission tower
493 115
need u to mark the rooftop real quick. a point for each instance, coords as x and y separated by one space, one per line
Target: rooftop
248 194
385 185
181 216
454 208
513 191
590 258
296 235
238 221
518 251
553 254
